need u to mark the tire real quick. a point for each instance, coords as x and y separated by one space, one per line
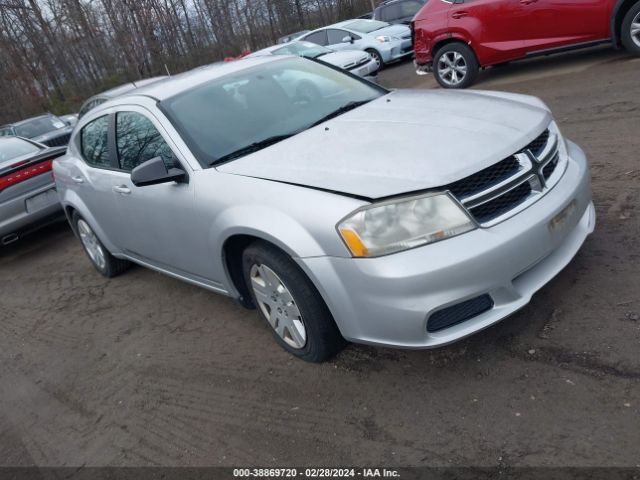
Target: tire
99 256
449 63
300 320
630 30
377 57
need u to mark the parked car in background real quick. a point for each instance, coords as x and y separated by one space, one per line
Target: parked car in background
47 129
403 218
292 36
456 39
28 198
355 61
398 11
100 98
70 119
384 42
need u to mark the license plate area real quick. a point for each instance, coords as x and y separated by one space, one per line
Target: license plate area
42 200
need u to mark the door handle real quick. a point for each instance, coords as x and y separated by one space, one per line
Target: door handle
78 179
527 2
460 14
122 189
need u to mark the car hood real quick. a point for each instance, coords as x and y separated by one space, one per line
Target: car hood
402 142
345 58
392 31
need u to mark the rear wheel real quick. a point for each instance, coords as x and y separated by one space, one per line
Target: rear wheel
100 258
299 319
455 66
631 29
376 57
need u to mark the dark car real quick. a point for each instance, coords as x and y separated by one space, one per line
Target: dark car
47 129
100 98
456 39
398 11
28 197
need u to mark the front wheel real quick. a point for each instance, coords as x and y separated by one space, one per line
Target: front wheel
455 66
299 319
631 30
376 57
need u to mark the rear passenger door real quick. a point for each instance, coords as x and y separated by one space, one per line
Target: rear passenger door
319 38
92 180
335 39
495 28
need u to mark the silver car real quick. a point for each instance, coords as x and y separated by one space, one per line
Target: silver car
384 42
354 61
28 199
408 218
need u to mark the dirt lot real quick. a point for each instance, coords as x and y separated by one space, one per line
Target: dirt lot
145 370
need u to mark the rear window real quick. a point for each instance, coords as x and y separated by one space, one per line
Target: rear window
39 126
366 26
14 148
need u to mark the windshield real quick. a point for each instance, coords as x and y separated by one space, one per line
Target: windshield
39 126
303 49
14 148
256 107
366 26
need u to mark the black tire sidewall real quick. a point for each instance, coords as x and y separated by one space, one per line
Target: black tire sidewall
470 59
625 33
323 338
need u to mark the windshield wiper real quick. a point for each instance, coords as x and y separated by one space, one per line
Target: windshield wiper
336 113
254 147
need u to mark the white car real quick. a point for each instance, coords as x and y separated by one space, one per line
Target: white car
384 42
355 61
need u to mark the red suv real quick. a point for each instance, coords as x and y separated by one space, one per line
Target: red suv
456 38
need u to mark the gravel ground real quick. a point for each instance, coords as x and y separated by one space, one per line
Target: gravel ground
146 370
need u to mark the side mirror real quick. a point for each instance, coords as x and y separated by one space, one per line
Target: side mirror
154 172
347 39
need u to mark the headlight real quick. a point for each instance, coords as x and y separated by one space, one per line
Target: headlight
383 39
390 227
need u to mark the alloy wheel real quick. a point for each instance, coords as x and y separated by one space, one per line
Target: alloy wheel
278 305
635 30
452 68
91 244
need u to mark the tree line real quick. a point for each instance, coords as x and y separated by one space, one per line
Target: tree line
56 53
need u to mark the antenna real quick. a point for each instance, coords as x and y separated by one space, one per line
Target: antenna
167 70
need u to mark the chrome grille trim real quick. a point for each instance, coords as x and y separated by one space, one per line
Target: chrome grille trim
538 171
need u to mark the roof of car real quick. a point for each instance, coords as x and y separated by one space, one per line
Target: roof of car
129 87
170 86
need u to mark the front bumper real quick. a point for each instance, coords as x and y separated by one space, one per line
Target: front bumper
388 300
395 50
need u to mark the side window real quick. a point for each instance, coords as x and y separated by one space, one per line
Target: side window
390 13
138 141
319 38
336 36
94 139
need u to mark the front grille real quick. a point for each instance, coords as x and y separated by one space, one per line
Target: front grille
485 178
548 170
58 141
499 206
450 316
537 146
501 188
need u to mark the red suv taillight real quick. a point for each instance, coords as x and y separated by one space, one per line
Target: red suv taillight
21 174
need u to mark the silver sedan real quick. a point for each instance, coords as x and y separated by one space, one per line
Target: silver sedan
407 218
